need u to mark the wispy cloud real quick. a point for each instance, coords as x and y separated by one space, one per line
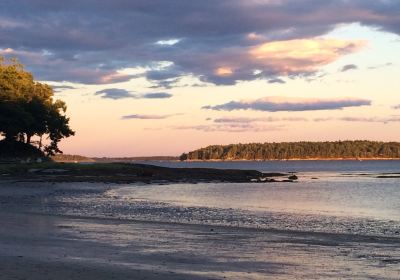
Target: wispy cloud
380 66
230 127
384 120
348 67
276 81
276 104
156 95
62 88
116 93
244 120
146 117
252 120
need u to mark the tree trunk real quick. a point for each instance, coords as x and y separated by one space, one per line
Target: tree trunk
21 137
40 142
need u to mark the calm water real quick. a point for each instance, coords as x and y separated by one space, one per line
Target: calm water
344 188
367 197
335 166
330 196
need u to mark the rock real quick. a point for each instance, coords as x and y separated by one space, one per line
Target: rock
293 177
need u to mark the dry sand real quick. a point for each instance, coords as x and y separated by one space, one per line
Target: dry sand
42 246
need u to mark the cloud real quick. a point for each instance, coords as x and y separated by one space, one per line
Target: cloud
166 84
276 81
156 95
348 67
117 93
62 88
276 104
252 120
301 55
169 42
146 117
374 67
92 41
362 119
230 127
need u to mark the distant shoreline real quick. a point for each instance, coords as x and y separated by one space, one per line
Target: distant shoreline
157 159
291 159
305 150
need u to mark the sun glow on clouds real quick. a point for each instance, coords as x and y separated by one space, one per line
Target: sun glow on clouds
114 77
254 36
303 55
224 71
6 51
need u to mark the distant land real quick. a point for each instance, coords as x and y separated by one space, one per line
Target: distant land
78 158
343 150
338 150
127 159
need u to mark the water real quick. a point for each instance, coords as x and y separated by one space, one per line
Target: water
338 196
330 196
374 166
341 188
346 198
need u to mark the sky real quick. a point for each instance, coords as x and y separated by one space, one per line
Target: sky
157 77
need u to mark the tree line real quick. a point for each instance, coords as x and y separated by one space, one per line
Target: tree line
28 109
297 150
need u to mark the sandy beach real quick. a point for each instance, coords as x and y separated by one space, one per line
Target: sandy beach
36 244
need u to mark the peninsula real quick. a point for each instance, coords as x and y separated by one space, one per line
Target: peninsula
298 151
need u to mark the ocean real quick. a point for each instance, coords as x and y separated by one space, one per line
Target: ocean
356 197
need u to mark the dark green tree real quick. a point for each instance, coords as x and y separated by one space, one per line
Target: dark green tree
298 150
28 109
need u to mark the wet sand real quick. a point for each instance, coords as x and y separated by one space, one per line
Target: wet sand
39 245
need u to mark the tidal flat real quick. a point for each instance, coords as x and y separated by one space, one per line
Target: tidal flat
100 230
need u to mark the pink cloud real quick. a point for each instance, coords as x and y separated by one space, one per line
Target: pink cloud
304 55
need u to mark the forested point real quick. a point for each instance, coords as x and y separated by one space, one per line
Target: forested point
298 150
32 121
71 158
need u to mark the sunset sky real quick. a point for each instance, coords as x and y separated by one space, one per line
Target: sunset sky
158 77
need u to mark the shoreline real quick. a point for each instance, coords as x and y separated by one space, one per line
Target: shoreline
132 173
291 159
156 159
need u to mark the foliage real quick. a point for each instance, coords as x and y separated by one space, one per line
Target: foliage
13 151
28 108
71 158
297 150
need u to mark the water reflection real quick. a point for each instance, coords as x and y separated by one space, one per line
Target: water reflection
330 194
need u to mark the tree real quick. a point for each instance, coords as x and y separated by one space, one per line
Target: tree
28 109
298 150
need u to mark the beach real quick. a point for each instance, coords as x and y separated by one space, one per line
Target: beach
53 231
